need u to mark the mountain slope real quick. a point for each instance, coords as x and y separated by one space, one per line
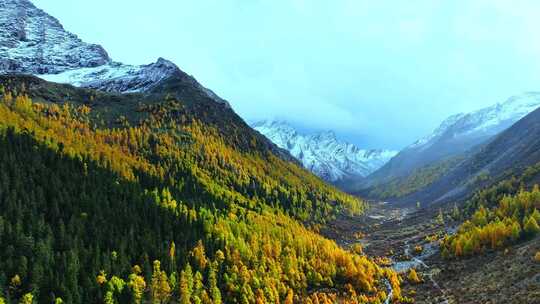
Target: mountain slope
94 183
456 135
33 42
125 190
511 152
323 154
418 179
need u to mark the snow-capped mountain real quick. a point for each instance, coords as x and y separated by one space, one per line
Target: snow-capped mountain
322 153
484 122
33 42
457 134
509 153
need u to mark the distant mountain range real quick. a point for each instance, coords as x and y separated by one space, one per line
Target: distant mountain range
465 152
456 135
507 154
322 153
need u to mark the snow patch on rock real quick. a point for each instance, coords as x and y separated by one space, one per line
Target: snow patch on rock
117 77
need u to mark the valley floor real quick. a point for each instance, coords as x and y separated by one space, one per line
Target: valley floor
505 276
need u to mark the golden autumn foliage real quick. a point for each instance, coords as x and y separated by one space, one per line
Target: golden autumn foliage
513 219
221 170
537 257
250 210
101 278
27 298
413 277
137 284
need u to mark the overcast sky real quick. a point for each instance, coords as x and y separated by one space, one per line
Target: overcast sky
379 73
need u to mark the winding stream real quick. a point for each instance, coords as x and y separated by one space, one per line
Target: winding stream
390 292
429 249
415 261
412 261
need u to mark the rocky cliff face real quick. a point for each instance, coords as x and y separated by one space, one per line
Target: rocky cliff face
31 41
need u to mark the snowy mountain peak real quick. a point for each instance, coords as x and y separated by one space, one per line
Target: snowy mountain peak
424 141
322 153
516 106
165 64
326 136
33 42
457 135
117 77
280 125
484 122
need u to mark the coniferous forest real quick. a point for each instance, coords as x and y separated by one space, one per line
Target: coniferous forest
151 205
500 216
353 152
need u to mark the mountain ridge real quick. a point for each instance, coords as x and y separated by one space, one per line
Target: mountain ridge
33 42
456 135
508 154
323 153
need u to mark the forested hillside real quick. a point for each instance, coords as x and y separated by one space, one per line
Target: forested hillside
498 216
147 198
416 180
